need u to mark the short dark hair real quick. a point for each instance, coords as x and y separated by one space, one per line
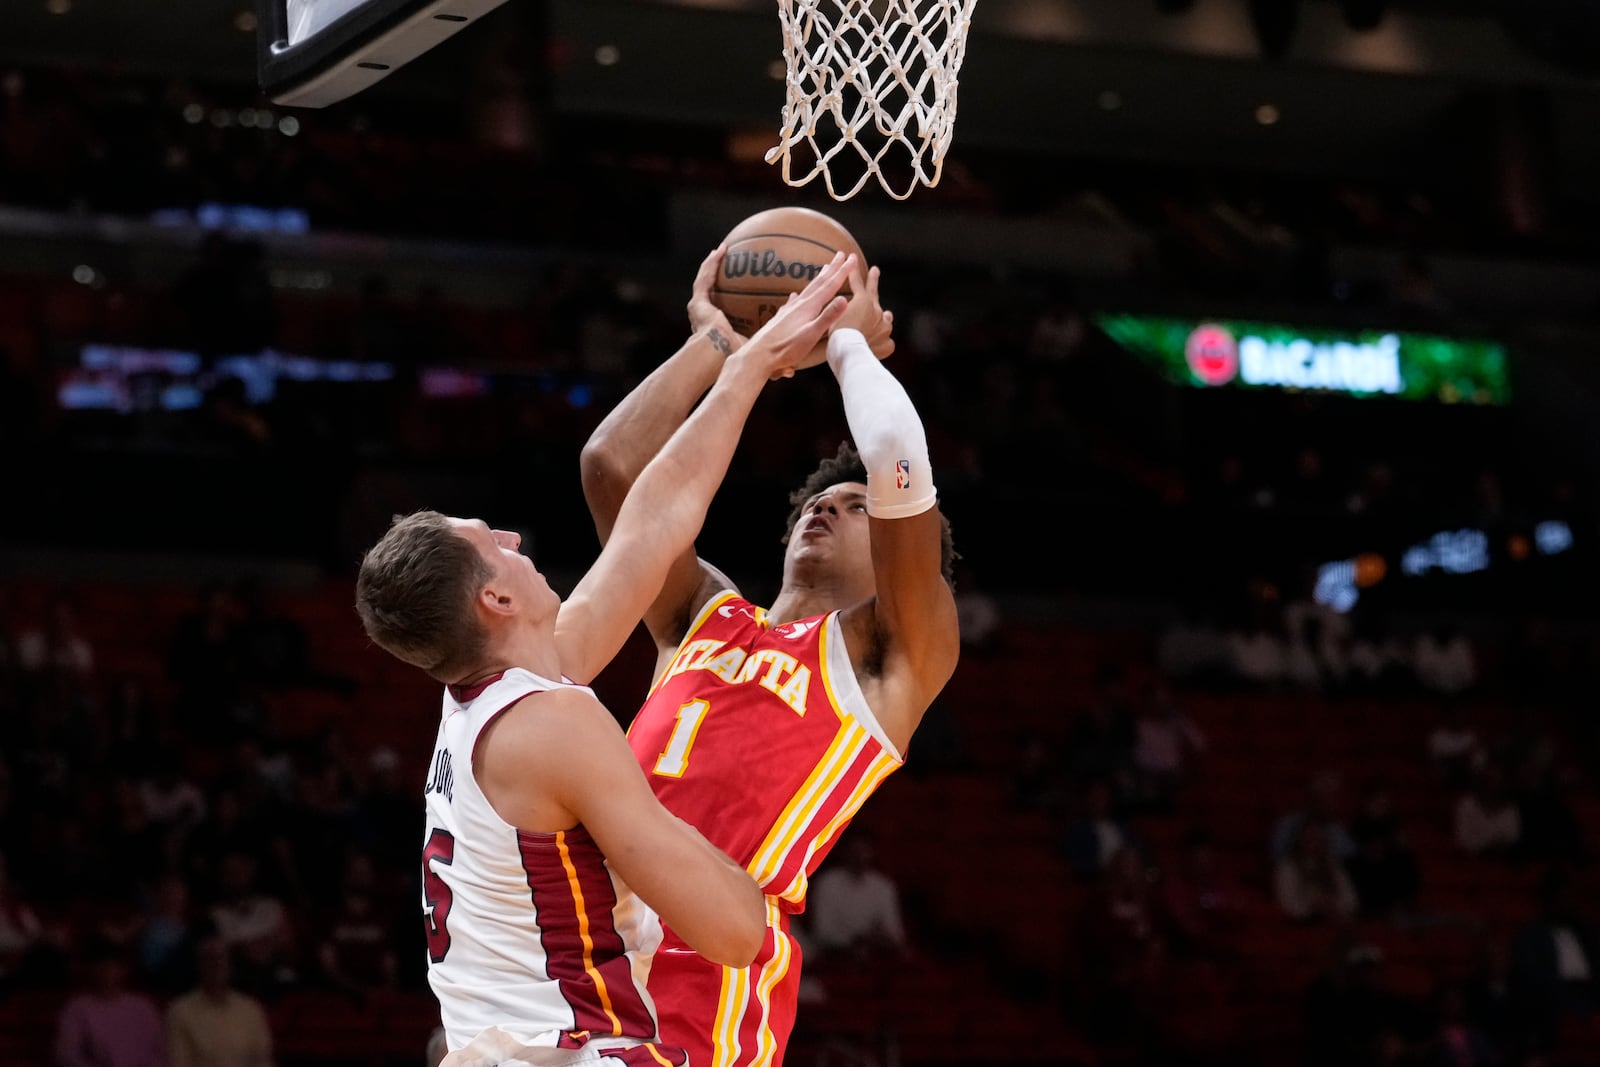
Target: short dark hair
845 466
415 592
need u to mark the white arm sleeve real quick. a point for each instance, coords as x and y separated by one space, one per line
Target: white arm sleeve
887 431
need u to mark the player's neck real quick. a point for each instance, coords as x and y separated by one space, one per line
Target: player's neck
532 650
800 600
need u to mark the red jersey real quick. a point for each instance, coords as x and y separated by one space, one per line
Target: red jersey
760 737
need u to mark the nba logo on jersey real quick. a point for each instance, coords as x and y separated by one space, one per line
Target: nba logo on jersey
902 474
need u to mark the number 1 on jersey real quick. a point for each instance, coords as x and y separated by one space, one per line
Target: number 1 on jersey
675 759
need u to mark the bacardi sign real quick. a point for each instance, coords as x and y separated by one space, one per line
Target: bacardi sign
1219 353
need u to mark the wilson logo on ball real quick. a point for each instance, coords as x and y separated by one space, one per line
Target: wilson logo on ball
766 263
1212 354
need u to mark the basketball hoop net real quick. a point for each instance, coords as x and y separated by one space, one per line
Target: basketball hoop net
882 74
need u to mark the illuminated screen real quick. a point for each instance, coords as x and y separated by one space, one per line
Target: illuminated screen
1234 354
127 380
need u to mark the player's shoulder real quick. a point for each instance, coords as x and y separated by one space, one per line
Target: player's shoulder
535 719
694 609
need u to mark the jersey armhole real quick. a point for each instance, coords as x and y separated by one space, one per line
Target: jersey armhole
472 765
846 690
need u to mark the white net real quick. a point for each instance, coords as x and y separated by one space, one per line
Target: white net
871 91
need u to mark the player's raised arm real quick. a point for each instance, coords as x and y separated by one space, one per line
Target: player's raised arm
557 760
652 540
634 431
914 612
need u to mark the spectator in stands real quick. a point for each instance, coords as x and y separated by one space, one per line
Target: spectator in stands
227 829
1122 953
386 814
172 801
1555 964
1039 783
855 907
356 953
1383 870
1378 661
272 648
1550 830
77 862
1303 664
202 650
138 849
1309 884
1058 332
167 940
27 948
1099 744
319 822
58 643
1486 989
106 1024
1458 1038
203 662
1259 655
1530 658
1097 833
215 1025
1487 822
1443 661
1454 747
977 611
1193 650
1204 906
1324 806
134 731
1351 1020
1166 744
255 927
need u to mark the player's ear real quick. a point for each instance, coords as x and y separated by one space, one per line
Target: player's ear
494 602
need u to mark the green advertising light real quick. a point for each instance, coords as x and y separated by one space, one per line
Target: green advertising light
1362 363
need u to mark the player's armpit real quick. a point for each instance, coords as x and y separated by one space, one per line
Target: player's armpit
682 598
697 890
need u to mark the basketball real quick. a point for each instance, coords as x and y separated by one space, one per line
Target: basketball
772 254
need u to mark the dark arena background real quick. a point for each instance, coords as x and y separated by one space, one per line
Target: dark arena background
1258 343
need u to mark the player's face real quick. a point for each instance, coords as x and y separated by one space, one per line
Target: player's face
515 572
833 532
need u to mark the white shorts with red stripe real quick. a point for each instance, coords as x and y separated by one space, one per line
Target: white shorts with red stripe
496 1048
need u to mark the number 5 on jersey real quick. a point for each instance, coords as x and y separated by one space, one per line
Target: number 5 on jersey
436 895
674 760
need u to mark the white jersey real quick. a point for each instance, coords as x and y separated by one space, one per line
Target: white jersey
527 932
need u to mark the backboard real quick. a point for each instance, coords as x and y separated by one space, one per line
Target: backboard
312 53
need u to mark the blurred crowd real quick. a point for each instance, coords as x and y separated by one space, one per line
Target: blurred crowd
191 856
202 860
